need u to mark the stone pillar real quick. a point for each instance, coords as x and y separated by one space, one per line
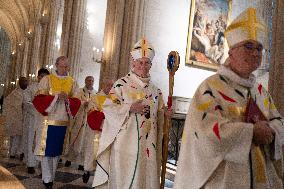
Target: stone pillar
48 33
19 60
72 33
276 83
42 40
51 33
24 67
11 76
5 54
34 51
124 26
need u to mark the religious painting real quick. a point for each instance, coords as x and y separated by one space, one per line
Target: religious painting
206 42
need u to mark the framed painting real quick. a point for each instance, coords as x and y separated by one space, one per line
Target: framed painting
205 41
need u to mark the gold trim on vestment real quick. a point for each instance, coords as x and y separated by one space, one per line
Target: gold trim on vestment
204 106
42 92
259 165
56 123
58 85
251 25
43 137
236 111
99 100
137 95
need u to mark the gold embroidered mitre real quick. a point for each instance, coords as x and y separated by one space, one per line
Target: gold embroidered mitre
142 49
249 25
58 85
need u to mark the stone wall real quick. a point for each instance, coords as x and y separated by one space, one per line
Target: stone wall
5 53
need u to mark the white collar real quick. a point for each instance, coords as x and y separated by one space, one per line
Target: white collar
60 76
227 72
140 80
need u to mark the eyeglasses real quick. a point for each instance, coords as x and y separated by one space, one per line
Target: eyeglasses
251 46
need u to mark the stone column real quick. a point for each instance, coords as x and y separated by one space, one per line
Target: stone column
42 40
35 49
72 33
276 83
124 26
19 59
11 77
24 67
51 33
48 33
5 54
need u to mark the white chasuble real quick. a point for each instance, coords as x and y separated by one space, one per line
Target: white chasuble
129 154
217 151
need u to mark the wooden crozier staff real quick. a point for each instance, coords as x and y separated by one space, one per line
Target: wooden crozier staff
172 65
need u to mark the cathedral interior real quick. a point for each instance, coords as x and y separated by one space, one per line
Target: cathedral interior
97 36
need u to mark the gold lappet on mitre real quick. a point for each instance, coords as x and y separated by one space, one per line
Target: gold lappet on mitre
142 49
249 25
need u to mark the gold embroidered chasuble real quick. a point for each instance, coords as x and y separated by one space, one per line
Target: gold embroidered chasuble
129 154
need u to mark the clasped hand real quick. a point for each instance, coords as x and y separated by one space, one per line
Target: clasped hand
139 107
262 133
62 96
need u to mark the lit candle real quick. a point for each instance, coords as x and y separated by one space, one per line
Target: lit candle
103 50
98 55
94 54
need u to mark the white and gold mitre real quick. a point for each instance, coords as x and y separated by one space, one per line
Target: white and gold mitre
249 25
142 49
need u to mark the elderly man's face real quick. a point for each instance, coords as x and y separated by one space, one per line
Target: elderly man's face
245 57
142 66
89 82
62 67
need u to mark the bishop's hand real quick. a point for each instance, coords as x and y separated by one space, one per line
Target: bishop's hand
139 107
62 96
262 133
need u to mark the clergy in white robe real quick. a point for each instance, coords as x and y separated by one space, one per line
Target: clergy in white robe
79 131
13 113
30 115
57 108
233 133
129 154
95 121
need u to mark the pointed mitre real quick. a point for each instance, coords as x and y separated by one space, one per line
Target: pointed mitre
142 49
249 25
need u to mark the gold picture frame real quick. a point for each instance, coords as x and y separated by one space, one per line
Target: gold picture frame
205 40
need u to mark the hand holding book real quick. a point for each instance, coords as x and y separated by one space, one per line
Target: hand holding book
262 133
